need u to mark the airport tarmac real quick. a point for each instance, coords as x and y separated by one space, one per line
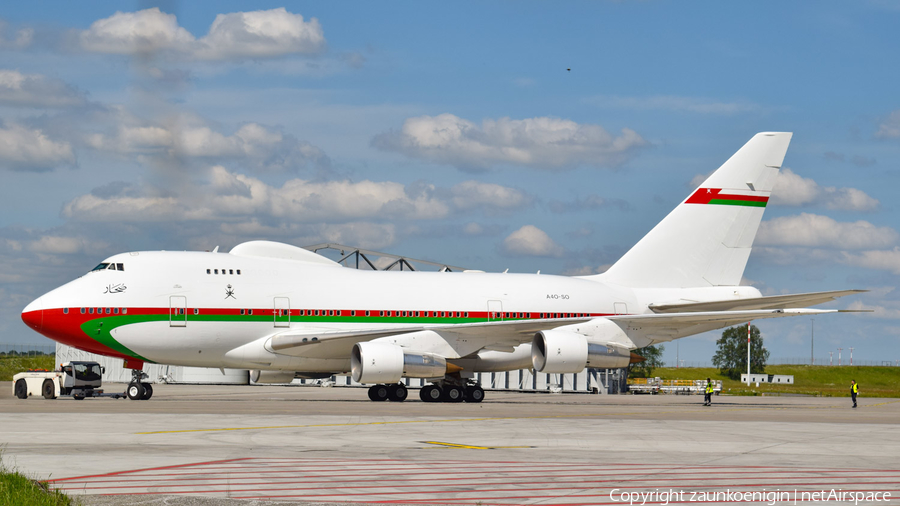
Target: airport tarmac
310 445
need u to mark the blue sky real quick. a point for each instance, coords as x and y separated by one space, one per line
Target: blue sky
434 130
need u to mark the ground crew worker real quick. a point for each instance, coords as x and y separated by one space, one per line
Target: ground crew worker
854 389
707 400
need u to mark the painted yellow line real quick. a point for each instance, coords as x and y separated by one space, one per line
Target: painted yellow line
358 424
471 447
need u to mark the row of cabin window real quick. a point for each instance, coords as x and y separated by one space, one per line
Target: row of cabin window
332 312
180 310
565 315
230 271
100 310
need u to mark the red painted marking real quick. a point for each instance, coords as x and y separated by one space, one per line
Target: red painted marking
176 466
705 195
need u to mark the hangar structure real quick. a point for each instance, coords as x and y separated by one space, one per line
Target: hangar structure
602 381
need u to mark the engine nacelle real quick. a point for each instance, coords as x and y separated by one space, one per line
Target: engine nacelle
560 351
271 376
373 362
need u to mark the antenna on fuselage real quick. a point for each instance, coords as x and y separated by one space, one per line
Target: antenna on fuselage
215 250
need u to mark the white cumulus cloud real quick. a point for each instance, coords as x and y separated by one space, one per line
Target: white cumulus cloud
813 230
35 90
886 260
265 147
233 36
791 189
24 148
474 194
146 31
890 126
542 142
260 34
230 196
531 241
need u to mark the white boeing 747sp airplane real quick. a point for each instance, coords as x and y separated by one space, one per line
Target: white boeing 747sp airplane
285 312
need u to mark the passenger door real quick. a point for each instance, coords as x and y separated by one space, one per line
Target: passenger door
282 312
177 311
495 310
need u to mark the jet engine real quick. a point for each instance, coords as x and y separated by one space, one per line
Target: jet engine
561 351
372 362
271 376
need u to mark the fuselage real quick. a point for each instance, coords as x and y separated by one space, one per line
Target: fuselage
204 309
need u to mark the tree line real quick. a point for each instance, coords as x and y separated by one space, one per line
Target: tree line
730 357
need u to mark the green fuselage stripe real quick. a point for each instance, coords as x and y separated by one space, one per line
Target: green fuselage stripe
747 203
99 329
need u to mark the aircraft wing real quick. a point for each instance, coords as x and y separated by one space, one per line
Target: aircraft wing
504 335
665 327
501 335
772 302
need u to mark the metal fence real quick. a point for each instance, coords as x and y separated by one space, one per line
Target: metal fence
832 361
15 350
835 361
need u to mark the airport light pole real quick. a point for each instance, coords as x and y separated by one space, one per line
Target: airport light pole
812 342
839 355
851 355
830 358
748 354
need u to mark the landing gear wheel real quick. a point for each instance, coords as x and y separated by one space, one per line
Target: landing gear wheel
21 389
474 393
452 394
430 393
148 391
378 393
397 392
135 391
48 390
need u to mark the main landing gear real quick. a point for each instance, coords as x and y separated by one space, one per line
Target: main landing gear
395 392
447 390
138 389
443 391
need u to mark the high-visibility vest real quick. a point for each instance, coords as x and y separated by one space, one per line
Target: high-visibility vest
855 388
709 388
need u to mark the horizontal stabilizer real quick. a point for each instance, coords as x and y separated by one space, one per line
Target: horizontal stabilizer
773 302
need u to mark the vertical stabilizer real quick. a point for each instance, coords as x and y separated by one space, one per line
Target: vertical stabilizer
706 240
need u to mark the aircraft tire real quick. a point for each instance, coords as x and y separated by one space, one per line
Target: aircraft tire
397 392
453 394
474 393
378 393
148 391
48 390
430 393
135 391
21 389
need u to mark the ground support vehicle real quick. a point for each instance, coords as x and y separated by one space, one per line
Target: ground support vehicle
73 379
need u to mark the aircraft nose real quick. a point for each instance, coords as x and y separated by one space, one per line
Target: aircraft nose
33 315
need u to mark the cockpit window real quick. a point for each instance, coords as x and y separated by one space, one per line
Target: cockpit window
108 266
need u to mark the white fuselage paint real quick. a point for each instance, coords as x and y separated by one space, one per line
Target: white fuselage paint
157 279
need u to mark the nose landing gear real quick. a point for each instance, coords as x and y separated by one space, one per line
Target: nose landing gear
138 389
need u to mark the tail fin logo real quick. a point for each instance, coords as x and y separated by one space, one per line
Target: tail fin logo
714 196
